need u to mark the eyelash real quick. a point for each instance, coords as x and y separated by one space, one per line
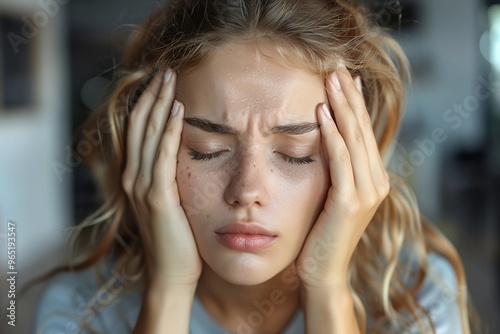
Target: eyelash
291 160
204 157
297 161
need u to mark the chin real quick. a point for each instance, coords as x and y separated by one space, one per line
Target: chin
244 268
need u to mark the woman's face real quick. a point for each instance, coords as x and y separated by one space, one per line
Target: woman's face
251 153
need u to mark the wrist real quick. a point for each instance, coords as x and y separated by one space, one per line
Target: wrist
335 284
329 309
159 292
166 308
333 291
160 288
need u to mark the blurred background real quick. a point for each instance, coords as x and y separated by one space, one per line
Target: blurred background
56 62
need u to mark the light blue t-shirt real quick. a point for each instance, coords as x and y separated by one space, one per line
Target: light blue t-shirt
63 302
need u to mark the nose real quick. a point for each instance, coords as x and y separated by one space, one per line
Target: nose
247 186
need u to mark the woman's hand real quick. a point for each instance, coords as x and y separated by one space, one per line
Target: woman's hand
359 185
149 179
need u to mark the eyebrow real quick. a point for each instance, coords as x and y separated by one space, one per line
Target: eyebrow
289 129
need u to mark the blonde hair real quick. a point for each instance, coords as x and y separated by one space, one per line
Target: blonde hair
315 34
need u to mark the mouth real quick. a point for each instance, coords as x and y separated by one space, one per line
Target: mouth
249 237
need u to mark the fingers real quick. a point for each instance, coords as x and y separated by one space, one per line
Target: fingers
353 92
352 134
149 179
151 131
357 146
154 129
135 133
165 166
339 158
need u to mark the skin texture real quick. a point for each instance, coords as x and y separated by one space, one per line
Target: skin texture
251 180
184 183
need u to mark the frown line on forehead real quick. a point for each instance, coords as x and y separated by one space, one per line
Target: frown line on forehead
288 129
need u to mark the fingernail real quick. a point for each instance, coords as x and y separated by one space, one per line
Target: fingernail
340 63
175 108
326 111
168 75
358 84
336 81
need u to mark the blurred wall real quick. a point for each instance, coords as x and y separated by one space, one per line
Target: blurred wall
32 137
443 48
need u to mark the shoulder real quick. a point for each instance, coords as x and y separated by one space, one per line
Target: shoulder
71 301
439 295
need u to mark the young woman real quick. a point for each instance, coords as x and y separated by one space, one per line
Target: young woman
242 166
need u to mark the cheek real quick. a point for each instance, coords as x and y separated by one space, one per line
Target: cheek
321 185
306 180
188 183
184 176
200 189
306 198
299 201
319 189
300 205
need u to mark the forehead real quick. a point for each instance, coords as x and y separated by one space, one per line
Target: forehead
242 80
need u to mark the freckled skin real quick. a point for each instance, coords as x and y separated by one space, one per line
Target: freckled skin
250 179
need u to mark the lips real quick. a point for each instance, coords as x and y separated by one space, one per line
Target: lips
247 237
245 228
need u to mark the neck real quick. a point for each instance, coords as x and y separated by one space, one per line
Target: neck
265 308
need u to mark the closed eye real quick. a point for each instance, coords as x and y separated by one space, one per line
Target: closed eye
204 156
295 160
291 160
